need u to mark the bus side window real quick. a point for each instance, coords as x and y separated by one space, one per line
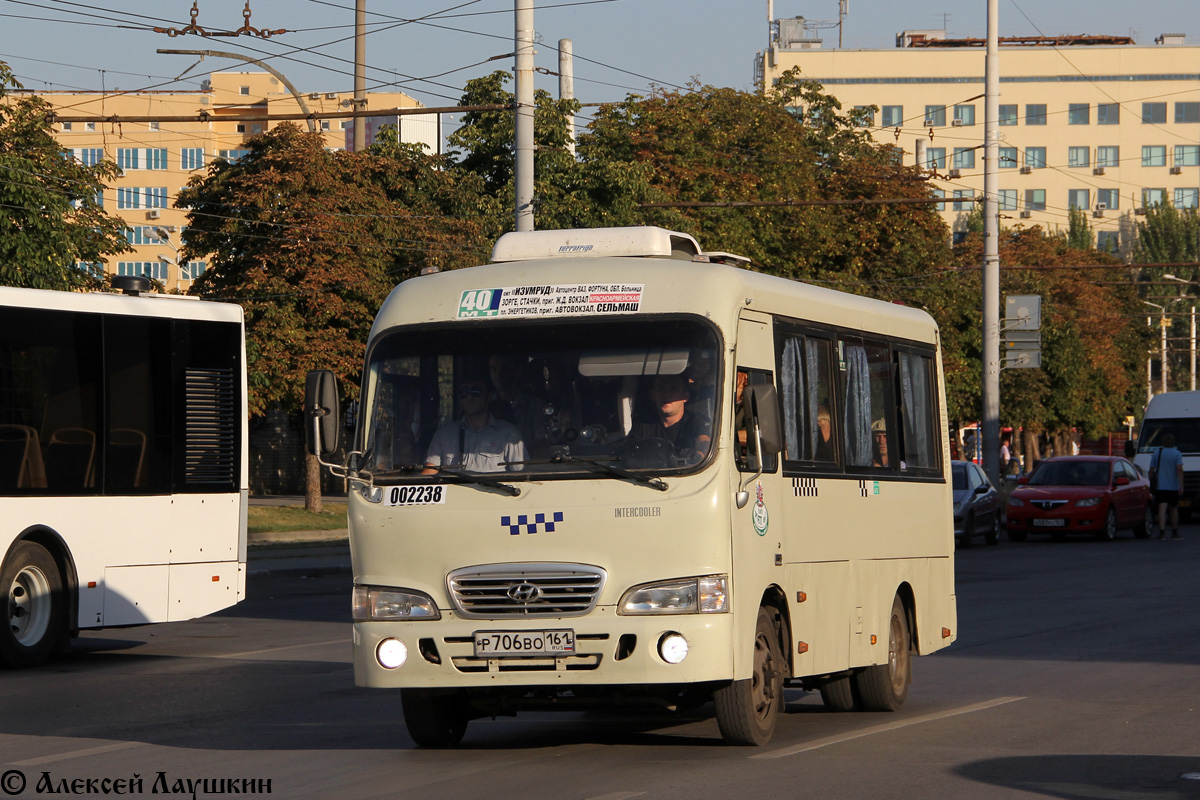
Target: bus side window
805 396
867 421
919 444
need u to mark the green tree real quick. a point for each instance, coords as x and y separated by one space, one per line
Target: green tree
1079 232
309 243
51 218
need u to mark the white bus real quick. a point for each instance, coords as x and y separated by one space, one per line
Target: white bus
122 462
1176 413
631 546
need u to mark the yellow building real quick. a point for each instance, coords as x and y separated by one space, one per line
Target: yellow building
157 157
1094 122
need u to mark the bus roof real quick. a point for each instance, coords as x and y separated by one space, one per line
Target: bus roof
1174 404
146 305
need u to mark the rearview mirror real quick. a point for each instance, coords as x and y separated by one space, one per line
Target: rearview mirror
321 415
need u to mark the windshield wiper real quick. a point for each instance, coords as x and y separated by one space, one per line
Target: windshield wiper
618 472
482 480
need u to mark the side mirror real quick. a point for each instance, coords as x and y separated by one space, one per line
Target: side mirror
321 417
763 404
1121 481
982 488
1024 479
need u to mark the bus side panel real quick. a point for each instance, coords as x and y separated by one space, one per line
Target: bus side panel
199 589
135 595
204 528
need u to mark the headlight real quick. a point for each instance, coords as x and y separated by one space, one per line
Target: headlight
1015 501
1087 502
705 595
378 603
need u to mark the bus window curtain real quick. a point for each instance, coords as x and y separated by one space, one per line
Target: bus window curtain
789 379
914 384
858 406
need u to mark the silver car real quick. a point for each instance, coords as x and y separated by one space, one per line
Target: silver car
976 504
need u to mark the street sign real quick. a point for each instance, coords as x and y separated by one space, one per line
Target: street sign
1024 359
1010 345
1023 312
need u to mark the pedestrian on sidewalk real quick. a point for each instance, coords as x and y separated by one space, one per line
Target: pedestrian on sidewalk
1166 481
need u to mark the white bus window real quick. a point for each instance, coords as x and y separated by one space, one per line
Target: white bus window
741 419
805 380
866 375
919 445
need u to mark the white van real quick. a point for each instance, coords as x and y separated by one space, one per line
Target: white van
1177 413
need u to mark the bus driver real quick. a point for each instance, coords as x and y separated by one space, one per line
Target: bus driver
477 441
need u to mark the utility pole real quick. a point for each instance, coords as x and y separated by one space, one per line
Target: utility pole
523 69
360 73
566 86
991 249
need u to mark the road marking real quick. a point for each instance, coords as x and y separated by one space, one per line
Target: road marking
90 751
891 726
343 640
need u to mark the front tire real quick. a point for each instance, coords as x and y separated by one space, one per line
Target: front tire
747 710
993 534
965 541
34 603
1142 531
434 718
884 687
838 694
1110 526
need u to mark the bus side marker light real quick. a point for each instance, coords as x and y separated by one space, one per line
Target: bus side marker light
391 653
873 639
216 578
801 648
91 584
801 597
673 648
945 633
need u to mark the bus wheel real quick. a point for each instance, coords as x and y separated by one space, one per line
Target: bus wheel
747 710
838 694
884 687
33 592
434 718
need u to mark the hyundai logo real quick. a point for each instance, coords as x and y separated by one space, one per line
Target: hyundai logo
524 593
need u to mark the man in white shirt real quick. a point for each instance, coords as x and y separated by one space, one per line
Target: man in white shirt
477 441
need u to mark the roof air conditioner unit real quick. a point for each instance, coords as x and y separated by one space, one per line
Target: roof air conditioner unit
1026 214
1026 170
958 123
331 95
1098 171
1176 170
314 95
152 214
1141 212
955 173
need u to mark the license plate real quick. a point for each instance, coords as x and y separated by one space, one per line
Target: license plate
1049 523
501 644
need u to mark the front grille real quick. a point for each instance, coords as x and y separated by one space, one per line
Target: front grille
504 591
1047 505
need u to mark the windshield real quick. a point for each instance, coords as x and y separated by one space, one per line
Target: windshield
1070 473
537 398
1186 430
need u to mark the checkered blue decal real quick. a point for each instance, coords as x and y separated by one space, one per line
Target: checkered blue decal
539 524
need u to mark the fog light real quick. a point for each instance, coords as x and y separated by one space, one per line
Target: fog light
391 653
673 648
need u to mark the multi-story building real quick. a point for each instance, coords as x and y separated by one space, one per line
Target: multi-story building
1091 122
158 157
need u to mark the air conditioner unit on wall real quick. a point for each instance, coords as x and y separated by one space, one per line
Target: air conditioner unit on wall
957 123
1026 214
954 173
152 214
1141 212
1026 170
1176 170
1098 213
1098 171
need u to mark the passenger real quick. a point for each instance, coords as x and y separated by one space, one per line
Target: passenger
690 434
478 441
879 449
824 451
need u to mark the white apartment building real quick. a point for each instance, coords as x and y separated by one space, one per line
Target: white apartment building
158 157
1098 123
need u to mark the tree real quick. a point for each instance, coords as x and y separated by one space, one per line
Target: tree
1079 233
51 217
309 243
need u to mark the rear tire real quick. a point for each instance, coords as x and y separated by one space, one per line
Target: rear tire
747 710
35 618
838 694
884 687
965 541
434 718
993 534
1142 531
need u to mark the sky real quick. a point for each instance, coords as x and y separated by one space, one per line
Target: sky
621 47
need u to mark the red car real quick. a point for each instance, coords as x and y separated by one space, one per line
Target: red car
1081 494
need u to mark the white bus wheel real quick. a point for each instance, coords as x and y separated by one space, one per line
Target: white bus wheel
434 718
884 687
747 710
838 694
33 598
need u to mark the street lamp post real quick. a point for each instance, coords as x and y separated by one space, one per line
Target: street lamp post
1162 310
1192 353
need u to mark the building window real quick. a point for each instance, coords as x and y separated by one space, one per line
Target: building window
325 124
935 158
157 270
231 155
1035 199
1108 241
156 196
1154 113
964 199
1008 199
1108 114
1154 155
1187 198
1035 114
892 116
1187 155
864 116
129 197
153 126
1109 198
128 158
142 235
935 116
156 158
1078 157
964 115
1153 197
66 126
91 126
241 127
958 237
1077 198
1008 158
1008 114
1035 157
964 158
1108 156
191 158
1187 112
244 90
191 270
89 156
256 128
940 193
1079 114
345 125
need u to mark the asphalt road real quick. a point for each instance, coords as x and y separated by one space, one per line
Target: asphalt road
1076 675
